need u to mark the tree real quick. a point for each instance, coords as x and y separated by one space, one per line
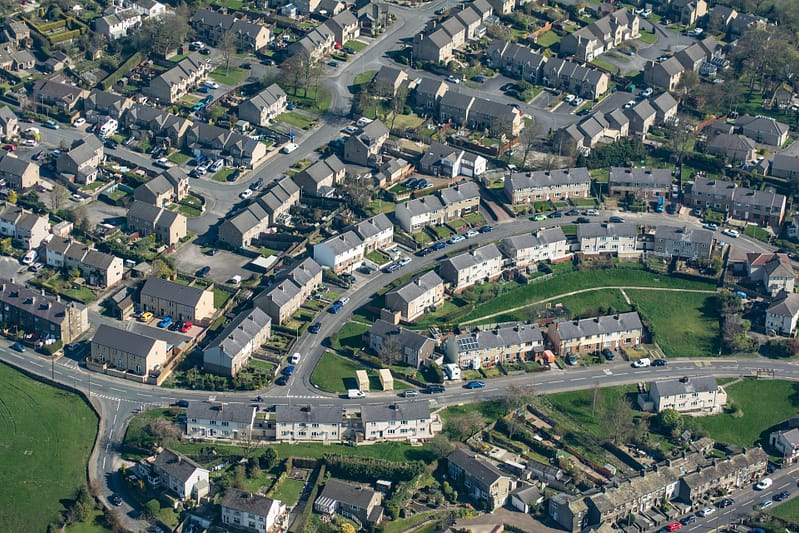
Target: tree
680 142
441 446
499 31
346 527
358 191
669 419
517 397
463 427
616 417
163 430
390 350
239 480
161 34
160 269
12 197
227 45
267 459
152 507
58 196
689 81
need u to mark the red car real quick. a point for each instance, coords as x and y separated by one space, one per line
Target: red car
186 326
10 147
673 526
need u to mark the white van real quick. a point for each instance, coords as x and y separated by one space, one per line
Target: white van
108 128
353 394
30 257
642 362
290 147
294 359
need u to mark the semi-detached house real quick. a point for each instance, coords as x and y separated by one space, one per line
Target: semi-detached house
545 245
697 395
219 420
548 185
118 351
480 265
595 334
345 251
447 204
602 35
608 239
264 107
180 302
322 176
484 349
250 511
409 347
18 173
759 207
170 86
176 472
25 228
641 183
414 298
782 315
172 185
169 227
99 268
484 483
290 290
231 350
683 242
211 26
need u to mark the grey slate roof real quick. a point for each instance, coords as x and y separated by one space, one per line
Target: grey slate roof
343 242
170 290
247 502
411 410
647 177
786 305
549 178
319 414
684 234
177 465
418 286
460 192
372 226
127 341
478 255
406 337
531 240
346 493
597 229
674 387
487 473
527 334
229 412
13 165
32 301
588 327
425 204
241 330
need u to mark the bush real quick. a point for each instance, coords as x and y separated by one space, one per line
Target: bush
368 469
438 374
152 507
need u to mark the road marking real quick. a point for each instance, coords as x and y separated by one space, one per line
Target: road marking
622 373
118 390
577 379
34 363
556 381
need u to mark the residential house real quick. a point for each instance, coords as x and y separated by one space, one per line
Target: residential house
602 35
315 423
216 420
414 215
665 108
642 117
264 107
33 311
774 271
345 251
272 208
290 290
231 350
321 177
118 24
696 396
9 123
594 129
251 512
57 93
497 118
611 238
450 161
344 26
557 185
483 482
591 335
502 7
721 17
108 104
665 75
762 129
415 297
212 27
724 476
543 245
170 186
170 86
785 166
393 170
19 174
454 107
516 60
14 60
482 264
683 242
124 351
27 229
81 162
350 500
376 232
180 302
792 227
435 46
150 121
403 421
786 442
181 475
484 349
388 80
148 8
169 227
364 147
644 183
238 149
782 314
687 12
100 269
524 496
17 32
316 44
569 76
399 344
429 92
568 511
759 207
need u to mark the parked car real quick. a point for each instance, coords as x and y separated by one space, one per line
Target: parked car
408 393
608 354
18 347
203 271
710 226
726 502
456 239
185 326
434 389
765 504
660 362
764 483
146 316
673 526
730 232
582 220
50 123
335 308
781 496
182 403
539 217
282 381
592 212
80 121
165 322
486 229
289 370
245 194
690 519
315 327
707 511
441 245
555 214
116 500
616 220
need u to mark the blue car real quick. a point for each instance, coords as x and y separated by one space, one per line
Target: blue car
475 385
289 370
439 246
165 322
18 347
335 308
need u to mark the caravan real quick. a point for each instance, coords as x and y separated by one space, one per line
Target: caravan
108 128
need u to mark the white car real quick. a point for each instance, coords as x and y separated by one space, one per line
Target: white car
471 233
350 130
29 142
453 79
77 197
456 238
79 122
629 104
294 359
245 194
707 511
646 93
211 84
363 121
730 232
569 98
577 101
710 226
404 261
764 483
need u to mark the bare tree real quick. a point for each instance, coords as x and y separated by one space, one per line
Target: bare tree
390 350
58 196
227 45
517 397
616 418
529 139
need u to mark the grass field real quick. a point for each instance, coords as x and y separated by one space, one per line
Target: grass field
334 373
288 491
233 76
787 510
573 281
351 334
548 39
685 324
296 119
764 404
579 305
46 436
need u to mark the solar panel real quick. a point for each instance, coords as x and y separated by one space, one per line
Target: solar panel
466 344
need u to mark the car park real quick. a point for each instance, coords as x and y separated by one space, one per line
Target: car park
707 511
165 322
475 385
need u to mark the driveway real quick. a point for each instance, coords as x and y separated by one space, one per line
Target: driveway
10 269
224 265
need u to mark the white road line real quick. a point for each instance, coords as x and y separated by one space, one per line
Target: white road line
577 379
34 363
118 390
556 381
622 373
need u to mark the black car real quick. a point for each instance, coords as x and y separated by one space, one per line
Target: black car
582 220
424 251
254 186
203 271
213 251
479 79
690 519
116 500
110 144
583 112
246 66
660 362
616 220
726 502
572 212
205 51
282 380
349 278
433 389
315 327
182 403
608 354
781 496
555 214
507 87
486 229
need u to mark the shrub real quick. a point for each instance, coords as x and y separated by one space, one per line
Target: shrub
368 469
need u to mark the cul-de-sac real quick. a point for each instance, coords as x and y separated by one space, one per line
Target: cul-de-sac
399 266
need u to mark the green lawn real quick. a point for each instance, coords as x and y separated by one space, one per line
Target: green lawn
548 39
648 38
296 119
787 510
220 297
178 157
757 232
576 405
573 281
288 491
350 335
334 373
601 63
234 75
223 174
589 303
309 99
188 211
685 324
364 77
407 524
492 410
356 45
764 405
46 436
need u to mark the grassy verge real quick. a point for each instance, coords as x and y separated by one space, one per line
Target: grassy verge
46 436
764 405
787 511
756 232
234 75
298 120
684 324
334 373
178 157
222 175
355 45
